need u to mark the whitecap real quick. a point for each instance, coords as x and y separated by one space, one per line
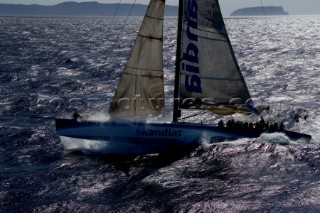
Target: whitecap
274 138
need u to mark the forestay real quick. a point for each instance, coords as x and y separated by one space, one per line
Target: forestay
210 77
141 88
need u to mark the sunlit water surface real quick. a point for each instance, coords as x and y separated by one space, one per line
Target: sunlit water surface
49 66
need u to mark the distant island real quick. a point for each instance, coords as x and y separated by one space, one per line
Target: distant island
79 9
260 11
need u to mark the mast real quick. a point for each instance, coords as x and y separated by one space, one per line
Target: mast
176 110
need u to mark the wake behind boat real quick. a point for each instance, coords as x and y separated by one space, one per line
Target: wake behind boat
207 77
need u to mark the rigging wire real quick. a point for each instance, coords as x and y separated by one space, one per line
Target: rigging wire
114 15
116 11
268 29
264 13
127 17
125 21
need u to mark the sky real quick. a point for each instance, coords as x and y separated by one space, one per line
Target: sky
294 7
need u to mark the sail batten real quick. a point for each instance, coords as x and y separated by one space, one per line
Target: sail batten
153 17
141 70
206 30
151 37
216 79
141 87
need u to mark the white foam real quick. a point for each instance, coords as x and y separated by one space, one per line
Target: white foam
82 144
275 138
102 147
98 116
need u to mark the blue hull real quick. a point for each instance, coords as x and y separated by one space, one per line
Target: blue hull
119 137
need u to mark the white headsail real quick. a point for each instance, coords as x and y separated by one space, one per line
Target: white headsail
210 77
141 88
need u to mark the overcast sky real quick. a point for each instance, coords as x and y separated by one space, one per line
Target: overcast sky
227 6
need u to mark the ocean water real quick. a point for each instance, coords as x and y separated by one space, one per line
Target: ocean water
49 66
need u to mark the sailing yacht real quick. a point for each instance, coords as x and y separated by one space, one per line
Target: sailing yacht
207 77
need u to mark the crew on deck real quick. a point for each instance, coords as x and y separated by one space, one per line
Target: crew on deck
220 124
257 127
76 115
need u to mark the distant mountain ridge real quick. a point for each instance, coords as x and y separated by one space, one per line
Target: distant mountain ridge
79 9
260 11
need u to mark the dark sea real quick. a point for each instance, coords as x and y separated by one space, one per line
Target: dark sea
49 66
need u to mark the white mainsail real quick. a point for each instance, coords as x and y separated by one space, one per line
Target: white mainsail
210 77
141 88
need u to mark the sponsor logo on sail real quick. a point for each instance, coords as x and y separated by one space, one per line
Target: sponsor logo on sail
190 54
